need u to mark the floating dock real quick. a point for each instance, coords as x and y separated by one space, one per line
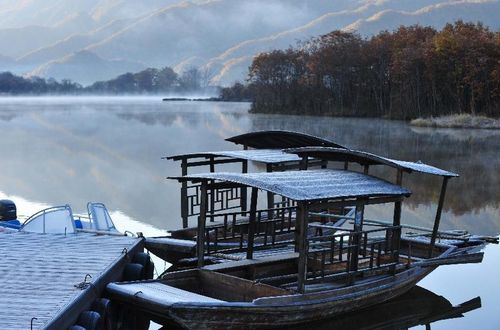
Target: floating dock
41 275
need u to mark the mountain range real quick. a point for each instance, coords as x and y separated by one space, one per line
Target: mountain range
91 40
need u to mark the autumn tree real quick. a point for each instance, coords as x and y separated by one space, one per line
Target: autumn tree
276 81
411 72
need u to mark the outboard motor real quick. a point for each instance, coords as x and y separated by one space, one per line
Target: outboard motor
8 210
8 214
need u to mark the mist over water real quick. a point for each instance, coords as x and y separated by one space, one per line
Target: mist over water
75 150
109 149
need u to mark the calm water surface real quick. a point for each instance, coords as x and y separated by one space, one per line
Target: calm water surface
66 150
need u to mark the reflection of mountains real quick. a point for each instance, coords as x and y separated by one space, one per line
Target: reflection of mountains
417 307
7 116
167 118
475 158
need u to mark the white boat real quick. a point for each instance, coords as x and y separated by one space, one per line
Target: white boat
60 220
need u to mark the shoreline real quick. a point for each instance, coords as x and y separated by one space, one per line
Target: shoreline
208 99
458 121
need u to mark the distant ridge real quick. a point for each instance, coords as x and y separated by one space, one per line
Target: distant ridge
220 36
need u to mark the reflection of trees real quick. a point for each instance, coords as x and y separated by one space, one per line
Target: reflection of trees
474 158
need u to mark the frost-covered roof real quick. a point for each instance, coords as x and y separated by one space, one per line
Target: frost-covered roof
309 185
266 156
366 158
278 139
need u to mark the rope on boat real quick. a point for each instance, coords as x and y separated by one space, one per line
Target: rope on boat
83 285
31 322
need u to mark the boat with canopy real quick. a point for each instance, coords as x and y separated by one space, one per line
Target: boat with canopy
315 276
227 206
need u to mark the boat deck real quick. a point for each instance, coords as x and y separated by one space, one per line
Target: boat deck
40 274
161 293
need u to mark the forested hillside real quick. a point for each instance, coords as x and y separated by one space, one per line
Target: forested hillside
412 72
149 81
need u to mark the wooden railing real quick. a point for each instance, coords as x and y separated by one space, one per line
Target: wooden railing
220 199
231 231
284 202
352 253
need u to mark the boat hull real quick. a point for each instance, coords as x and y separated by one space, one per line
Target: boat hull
280 311
171 249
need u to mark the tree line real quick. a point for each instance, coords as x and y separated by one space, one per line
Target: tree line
149 81
412 72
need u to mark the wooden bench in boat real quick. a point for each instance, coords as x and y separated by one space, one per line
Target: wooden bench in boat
193 286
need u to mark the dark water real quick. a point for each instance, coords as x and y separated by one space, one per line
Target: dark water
57 151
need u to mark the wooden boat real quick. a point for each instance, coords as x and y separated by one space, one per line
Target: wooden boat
317 277
228 212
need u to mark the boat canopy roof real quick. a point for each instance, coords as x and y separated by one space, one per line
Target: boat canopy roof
366 158
266 156
278 139
310 185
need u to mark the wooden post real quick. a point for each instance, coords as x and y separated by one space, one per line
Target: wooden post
200 238
438 215
358 227
270 196
397 214
298 216
366 168
397 220
213 192
184 198
252 222
304 163
212 164
346 165
399 177
396 234
243 196
303 248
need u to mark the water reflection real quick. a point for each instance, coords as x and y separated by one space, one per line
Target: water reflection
74 150
416 307
58 151
474 154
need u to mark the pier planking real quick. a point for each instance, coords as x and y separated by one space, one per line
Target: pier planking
39 274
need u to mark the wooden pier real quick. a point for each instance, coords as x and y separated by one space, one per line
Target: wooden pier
41 275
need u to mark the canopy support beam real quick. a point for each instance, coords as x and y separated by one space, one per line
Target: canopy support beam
351 202
396 235
243 204
270 195
438 215
200 238
252 222
184 192
302 223
356 238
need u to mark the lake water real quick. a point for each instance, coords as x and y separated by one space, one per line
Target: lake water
74 150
